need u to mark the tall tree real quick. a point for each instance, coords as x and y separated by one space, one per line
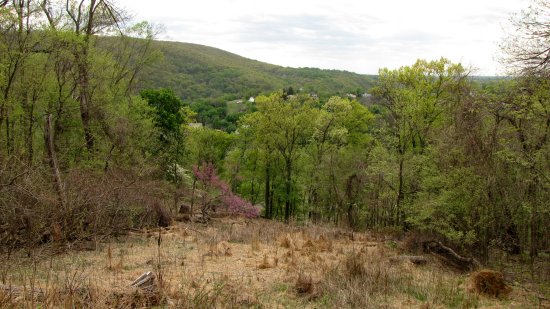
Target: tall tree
336 155
283 126
86 19
526 108
17 43
169 118
256 145
415 99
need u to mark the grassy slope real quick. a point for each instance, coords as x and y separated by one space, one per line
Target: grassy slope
195 71
234 263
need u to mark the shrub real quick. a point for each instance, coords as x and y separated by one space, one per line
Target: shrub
218 191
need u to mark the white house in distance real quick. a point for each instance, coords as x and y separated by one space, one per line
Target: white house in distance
251 100
195 125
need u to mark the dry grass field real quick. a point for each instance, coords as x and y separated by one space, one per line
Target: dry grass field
236 263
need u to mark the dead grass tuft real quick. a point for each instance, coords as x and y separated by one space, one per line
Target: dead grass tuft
255 244
136 298
248 300
309 244
355 264
224 249
286 241
490 283
304 284
4 299
324 243
267 262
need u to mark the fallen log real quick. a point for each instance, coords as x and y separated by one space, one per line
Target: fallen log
415 259
450 257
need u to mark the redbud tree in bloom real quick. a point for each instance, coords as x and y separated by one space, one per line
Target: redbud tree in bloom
218 191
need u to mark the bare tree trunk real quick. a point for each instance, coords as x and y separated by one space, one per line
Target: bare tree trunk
350 196
4 114
253 192
1 119
108 158
83 78
29 106
30 133
52 158
267 194
288 185
400 193
271 199
193 197
84 98
8 138
533 229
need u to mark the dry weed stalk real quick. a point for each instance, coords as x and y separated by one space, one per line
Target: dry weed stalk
268 262
255 245
159 270
224 248
355 264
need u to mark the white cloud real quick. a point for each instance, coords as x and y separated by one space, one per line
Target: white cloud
359 36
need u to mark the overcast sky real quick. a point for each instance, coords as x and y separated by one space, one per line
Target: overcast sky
359 36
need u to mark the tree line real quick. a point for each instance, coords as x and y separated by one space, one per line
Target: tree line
434 151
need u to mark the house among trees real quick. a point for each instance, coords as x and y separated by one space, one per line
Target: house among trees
195 125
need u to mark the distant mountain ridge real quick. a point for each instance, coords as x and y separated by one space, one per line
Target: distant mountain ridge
197 72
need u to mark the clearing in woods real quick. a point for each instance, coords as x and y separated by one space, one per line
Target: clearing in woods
238 263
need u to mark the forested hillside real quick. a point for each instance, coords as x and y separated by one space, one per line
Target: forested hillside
217 84
96 142
201 72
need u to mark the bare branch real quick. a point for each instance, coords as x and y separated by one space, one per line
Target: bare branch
71 14
12 181
48 13
527 49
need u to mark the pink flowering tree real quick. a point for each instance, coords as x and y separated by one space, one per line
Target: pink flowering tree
216 193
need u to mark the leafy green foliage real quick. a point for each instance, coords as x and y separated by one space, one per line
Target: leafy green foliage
208 145
168 116
169 119
414 101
